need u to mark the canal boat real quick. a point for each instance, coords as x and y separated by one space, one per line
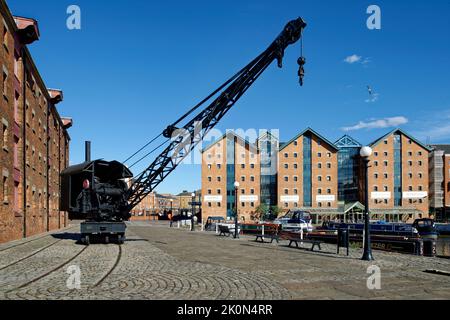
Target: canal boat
426 228
378 228
295 221
443 229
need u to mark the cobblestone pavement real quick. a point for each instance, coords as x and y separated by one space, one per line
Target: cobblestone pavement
162 263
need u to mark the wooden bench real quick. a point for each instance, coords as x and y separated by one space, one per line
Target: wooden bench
298 240
272 237
224 231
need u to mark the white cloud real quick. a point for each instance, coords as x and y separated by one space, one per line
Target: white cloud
378 124
435 128
352 59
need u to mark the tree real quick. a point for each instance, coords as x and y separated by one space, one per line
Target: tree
276 211
261 211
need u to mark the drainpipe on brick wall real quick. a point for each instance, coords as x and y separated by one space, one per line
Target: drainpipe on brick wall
24 144
59 174
47 139
65 166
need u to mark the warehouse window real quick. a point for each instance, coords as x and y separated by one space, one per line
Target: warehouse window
4 134
5 83
16 65
16 106
319 191
252 179
5 190
295 191
5 36
286 191
295 178
252 191
16 197
242 191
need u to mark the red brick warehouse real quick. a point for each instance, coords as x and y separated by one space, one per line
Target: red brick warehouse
34 138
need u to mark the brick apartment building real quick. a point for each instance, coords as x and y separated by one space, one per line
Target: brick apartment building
230 159
316 175
156 204
34 138
398 177
440 182
307 176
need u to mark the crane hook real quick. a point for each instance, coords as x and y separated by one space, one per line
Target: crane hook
301 70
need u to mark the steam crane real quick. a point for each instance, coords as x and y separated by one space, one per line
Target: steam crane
96 191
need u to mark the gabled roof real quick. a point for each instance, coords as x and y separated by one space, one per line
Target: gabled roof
347 142
353 205
229 134
309 130
265 134
442 147
376 142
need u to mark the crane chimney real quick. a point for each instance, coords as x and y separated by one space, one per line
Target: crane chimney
87 151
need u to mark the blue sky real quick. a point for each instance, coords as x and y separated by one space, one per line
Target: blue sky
135 66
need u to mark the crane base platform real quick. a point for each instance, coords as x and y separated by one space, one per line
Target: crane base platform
104 232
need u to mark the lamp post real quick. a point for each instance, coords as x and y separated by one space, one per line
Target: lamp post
193 211
365 153
236 187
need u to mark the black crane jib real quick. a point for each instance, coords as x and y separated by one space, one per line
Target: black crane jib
186 137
